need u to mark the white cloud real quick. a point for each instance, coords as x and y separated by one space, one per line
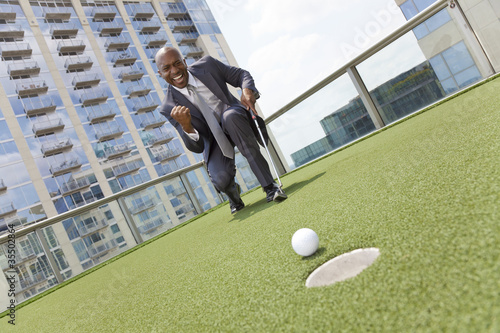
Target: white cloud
281 69
278 16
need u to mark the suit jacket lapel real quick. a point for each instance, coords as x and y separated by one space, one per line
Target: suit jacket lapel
179 99
210 83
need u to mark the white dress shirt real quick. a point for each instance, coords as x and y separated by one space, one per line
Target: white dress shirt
213 101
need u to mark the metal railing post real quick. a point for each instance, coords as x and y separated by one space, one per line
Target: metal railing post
50 257
130 220
191 194
365 96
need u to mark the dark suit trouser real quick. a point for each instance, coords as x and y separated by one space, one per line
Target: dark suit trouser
222 169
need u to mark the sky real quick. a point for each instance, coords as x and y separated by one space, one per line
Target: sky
288 46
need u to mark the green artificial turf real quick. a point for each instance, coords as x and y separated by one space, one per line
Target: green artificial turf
425 192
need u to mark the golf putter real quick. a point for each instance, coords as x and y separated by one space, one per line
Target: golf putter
279 196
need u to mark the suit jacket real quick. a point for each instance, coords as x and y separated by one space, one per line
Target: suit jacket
215 76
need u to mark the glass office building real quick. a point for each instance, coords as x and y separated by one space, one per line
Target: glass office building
79 121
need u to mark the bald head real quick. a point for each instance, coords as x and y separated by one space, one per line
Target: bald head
163 51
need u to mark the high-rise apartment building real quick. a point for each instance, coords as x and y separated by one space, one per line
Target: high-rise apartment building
79 121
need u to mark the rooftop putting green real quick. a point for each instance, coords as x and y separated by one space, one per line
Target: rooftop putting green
425 192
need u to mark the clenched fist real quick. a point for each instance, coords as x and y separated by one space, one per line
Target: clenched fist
182 115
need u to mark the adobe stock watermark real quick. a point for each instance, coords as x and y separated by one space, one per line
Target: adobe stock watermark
223 7
364 36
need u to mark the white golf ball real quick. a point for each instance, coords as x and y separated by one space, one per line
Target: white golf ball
305 242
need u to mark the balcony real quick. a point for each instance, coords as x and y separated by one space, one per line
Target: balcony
137 90
130 74
150 27
25 254
71 46
85 229
93 96
116 43
124 58
113 152
63 30
149 227
109 133
156 40
141 12
186 37
145 106
7 210
180 191
78 63
125 168
31 281
23 68
160 139
191 51
181 25
31 87
86 80
167 155
56 13
56 147
15 50
100 113
109 28
152 122
74 185
95 250
142 206
8 14
36 106
11 31
3 187
103 13
175 11
48 126
66 166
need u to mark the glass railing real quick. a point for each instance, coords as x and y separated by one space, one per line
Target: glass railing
100 112
105 12
60 13
110 28
63 29
118 150
71 46
185 37
56 146
96 229
78 62
401 74
23 67
15 49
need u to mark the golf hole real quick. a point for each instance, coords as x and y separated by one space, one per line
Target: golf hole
343 267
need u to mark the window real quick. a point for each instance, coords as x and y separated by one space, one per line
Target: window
411 8
455 68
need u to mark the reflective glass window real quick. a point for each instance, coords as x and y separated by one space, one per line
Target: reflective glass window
458 58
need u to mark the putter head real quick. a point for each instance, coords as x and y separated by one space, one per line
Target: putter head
280 196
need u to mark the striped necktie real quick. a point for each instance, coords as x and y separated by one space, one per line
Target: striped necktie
213 123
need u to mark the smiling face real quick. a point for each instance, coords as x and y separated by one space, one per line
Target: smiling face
172 67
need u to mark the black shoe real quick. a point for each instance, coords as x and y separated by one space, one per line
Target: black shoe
274 193
236 205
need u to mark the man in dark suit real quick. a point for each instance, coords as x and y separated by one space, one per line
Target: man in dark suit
210 120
